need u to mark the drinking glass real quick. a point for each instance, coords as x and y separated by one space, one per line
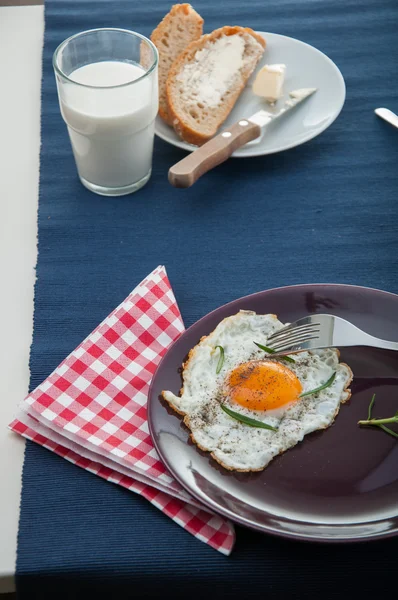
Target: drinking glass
107 81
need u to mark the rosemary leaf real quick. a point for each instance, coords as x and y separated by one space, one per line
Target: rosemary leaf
270 351
320 388
220 360
246 420
388 430
371 406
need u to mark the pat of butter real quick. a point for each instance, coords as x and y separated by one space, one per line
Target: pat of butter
269 82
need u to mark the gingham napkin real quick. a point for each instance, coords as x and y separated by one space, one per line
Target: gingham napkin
92 409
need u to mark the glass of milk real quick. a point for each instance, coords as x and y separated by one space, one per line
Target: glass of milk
107 82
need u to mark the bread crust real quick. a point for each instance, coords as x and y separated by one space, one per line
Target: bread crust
185 131
177 12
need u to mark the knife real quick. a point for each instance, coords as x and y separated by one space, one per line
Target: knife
387 115
217 150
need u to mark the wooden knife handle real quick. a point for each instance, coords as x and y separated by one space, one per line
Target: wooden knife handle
214 152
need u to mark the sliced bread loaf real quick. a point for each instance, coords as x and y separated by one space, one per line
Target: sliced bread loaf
206 80
181 26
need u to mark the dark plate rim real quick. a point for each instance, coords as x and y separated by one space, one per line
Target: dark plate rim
225 512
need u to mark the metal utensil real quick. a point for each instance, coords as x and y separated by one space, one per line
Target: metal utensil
387 115
217 150
322 331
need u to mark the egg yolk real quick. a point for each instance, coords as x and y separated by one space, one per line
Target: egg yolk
263 385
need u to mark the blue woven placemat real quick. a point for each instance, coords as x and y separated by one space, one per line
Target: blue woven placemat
323 212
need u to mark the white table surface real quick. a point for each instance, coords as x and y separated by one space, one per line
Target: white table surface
21 39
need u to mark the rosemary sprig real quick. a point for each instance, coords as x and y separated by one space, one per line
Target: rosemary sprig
321 387
246 420
220 360
380 422
270 351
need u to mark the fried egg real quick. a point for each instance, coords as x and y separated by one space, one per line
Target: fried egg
250 382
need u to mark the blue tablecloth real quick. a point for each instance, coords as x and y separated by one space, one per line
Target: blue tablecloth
323 212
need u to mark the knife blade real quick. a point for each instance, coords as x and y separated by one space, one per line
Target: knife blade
264 118
217 150
387 115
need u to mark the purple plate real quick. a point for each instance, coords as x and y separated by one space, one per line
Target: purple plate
340 484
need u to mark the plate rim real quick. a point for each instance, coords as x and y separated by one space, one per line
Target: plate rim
207 502
254 152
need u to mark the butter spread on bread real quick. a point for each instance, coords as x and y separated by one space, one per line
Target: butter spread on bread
206 80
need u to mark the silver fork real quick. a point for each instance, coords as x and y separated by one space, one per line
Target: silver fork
322 331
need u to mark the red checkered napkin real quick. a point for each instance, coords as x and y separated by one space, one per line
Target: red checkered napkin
92 409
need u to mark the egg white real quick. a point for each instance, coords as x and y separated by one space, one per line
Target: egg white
233 444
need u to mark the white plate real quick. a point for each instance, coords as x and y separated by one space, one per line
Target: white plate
306 67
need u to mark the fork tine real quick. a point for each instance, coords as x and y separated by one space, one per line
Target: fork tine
295 327
285 344
292 336
296 346
288 330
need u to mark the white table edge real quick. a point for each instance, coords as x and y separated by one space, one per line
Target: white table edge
21 39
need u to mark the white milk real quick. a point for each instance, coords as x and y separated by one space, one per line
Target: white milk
111 130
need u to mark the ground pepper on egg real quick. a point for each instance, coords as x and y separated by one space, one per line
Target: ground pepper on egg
264 392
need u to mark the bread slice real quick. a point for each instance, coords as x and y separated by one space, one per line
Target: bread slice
206 80
181 26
